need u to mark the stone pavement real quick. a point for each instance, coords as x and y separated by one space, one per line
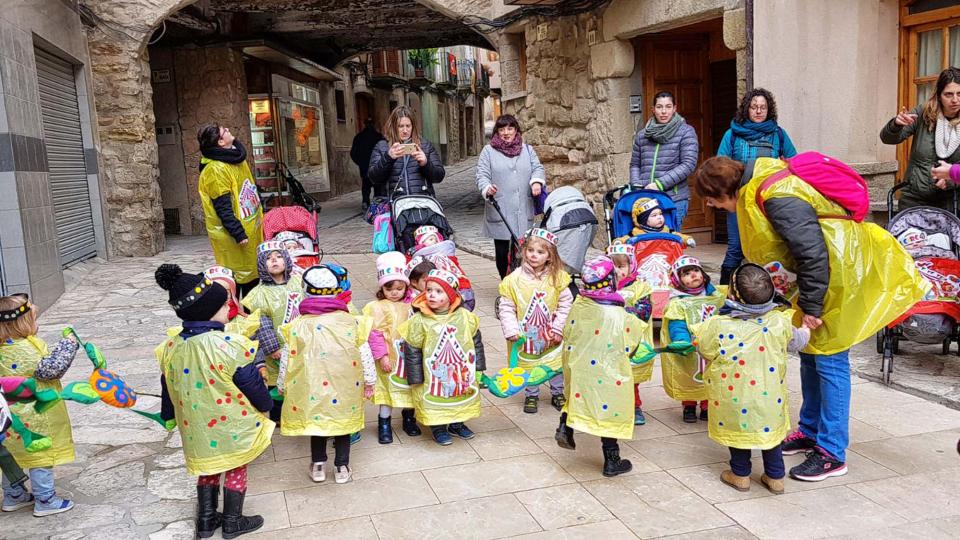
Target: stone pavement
512 480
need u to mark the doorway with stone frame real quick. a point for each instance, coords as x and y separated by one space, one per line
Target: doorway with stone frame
682 61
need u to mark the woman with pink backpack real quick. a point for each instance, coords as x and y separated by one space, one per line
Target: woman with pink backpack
802 220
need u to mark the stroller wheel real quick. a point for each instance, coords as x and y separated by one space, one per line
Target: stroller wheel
880 340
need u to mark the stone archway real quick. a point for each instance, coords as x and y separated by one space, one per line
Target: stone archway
124 103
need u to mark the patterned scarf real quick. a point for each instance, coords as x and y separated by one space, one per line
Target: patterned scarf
509 149
948 137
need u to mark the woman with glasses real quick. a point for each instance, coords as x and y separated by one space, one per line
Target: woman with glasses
231 205
753 133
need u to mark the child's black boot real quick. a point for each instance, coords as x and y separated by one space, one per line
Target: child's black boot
384 431
564 436
234 522
410 426
612 464
208 519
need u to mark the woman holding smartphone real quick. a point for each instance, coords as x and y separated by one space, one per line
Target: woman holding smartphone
935 127
406 163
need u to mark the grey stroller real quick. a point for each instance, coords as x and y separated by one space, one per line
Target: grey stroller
932 237
567 214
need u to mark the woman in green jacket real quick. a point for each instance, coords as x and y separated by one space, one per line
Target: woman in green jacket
935 127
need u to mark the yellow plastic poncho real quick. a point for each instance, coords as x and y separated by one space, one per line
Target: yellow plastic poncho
323 389
281 303
391 388
536 301
245 326
20 358
597 375
872 279
449 392
220 429
218 179
632 294
683 374
746 378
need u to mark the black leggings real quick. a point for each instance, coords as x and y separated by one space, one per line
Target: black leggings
341 445
502 250
609 443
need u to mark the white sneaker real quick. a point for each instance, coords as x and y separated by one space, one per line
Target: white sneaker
318 471
343 474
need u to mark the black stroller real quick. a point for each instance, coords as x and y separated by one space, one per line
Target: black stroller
408 212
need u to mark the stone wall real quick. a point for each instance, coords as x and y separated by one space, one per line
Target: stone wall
211 88
576 121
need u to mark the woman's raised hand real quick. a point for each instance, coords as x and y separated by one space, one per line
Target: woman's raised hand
420 156
396 150
905 118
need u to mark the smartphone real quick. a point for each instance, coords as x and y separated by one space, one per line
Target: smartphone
407 149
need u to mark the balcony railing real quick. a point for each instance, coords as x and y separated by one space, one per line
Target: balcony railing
388 66
446 70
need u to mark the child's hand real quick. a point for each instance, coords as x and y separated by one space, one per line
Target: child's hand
554 337
811 322
512 338
385 364
367 391
70 337
276 354
263 374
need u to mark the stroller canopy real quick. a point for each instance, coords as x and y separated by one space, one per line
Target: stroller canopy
568 215
621 219
289 218
411 211
925 231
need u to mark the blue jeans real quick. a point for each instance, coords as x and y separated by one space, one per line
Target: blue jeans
825 412
41 484
681 213
734 256
772 462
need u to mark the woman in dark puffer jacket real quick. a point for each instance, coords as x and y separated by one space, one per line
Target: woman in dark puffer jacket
402 172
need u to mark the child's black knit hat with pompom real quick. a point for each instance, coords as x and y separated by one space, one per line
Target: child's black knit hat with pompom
193 296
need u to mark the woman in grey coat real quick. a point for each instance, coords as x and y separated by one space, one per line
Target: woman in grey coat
665 153
510 172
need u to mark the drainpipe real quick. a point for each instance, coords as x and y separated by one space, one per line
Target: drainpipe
748 22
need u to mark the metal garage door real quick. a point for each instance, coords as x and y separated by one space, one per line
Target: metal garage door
68 172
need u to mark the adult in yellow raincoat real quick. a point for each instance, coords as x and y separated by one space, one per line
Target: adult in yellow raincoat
599 339
328 372
231 204
443 349
637 301
746 350
847 279
211 386
24 354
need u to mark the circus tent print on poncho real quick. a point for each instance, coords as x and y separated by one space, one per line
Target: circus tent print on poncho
451 368
535 324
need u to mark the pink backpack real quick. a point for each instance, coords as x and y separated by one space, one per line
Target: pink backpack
832 178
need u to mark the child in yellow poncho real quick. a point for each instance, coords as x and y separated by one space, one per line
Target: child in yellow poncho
24 354
746 349
599 339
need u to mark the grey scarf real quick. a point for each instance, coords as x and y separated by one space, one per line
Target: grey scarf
661 133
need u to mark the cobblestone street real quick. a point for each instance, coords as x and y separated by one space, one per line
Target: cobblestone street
512 480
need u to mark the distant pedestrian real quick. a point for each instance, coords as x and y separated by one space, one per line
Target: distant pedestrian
753 133
405 163
360 150
231 204
935 128
509 171
665 153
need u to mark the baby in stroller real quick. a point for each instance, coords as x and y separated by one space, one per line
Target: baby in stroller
648 218
301 249
432 252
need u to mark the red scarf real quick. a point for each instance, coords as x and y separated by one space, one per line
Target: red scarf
509 149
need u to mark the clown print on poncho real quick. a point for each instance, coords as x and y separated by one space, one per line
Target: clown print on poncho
746 378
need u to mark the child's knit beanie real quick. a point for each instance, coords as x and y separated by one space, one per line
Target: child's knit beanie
642 209
446 280
194 297
392 266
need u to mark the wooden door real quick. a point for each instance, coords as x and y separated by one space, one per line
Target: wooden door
364 110
680 64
